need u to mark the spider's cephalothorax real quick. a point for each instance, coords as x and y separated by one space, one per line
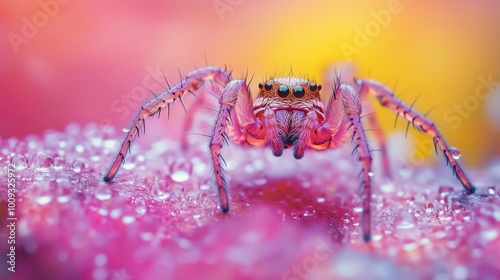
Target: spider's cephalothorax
288 113
283 105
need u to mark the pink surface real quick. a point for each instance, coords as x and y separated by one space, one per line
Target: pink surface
289 219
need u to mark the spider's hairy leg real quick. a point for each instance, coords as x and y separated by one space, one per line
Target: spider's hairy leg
387 98
350 104
379 135
352 111
236 94
190 83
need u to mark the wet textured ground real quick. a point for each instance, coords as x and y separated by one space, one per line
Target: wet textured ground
289 219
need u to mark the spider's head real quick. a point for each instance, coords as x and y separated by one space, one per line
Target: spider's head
289 88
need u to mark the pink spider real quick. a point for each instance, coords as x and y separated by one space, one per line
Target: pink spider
288 114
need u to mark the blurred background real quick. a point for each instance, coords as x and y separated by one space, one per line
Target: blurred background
86 61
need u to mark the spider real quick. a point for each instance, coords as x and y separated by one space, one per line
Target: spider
288 114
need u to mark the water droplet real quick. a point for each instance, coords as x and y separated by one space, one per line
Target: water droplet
42 162
102 191
489 235
59 163
429 207
128 165
77 166
159 190
371 174
181 171
309 211
126 129
115 213
43 195
445 190
387 187
79 148
63 194
405 171
405 221
140 205
204 187
491 190
320 199
20 162
100 260
347 218
409 245
460 272
128 219
417 213
455 153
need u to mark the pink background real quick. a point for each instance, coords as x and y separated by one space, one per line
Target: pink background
85 59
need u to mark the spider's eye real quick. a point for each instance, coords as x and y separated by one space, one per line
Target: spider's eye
319 87
298 92
261 85
283 91
313 87
268 86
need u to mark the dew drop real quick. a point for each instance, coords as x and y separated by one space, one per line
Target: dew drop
347 218
43 194
455 153
79 148
20 162
43 199
489 235
100 259
115 213
405 171
159 190
59 163
128 165
429 207
181 171
102 191
405 221
77 166
409 245
126 129
42 162
320 199
309 211
140 205
371 174
63 194
388 187
417 213
444 190
491 190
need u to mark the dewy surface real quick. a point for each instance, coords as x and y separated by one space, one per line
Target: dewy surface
289 219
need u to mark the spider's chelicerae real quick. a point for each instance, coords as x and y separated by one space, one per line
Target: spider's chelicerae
288 114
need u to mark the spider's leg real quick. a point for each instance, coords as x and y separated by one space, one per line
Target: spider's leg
213 89
230 98
191 82
352 110
387 99
379 135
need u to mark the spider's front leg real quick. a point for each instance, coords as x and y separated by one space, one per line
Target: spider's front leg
387 99
235 95
343 112
189 84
